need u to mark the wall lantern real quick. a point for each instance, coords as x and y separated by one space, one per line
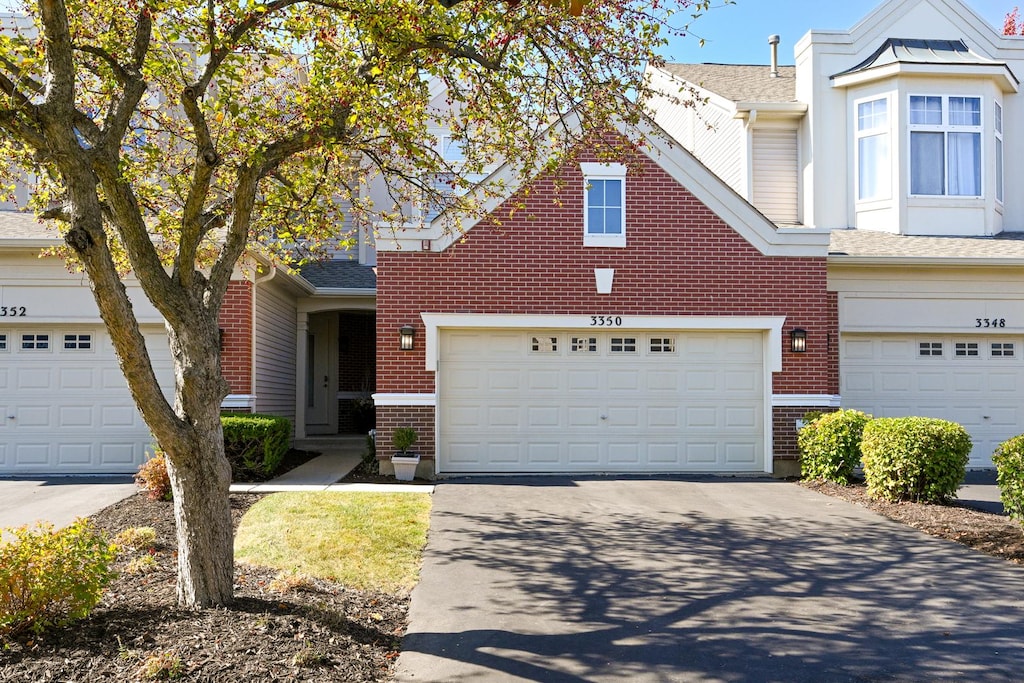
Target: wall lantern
798 340
406 335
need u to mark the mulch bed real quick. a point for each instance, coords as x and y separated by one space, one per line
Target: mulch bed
986 532
318 631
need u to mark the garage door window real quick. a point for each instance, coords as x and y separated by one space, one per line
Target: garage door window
3 342
663 345
1002 350
583 345
544 345
623 345
35 341
966 349
930 349
77 341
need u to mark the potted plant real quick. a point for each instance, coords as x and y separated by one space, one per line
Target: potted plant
404 460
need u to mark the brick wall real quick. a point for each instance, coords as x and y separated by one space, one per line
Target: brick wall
236 321
390 418
681 260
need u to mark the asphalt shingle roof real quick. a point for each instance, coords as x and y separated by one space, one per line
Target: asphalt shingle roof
15 225
336 274
868 243
739 82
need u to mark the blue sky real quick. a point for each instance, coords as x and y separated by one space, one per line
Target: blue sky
738 34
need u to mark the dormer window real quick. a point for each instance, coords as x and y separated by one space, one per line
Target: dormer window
945 145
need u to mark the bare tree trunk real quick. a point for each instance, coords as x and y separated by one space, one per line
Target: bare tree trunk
200 474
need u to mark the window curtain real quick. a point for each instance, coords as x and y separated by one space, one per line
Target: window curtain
927 167
964 164
873 180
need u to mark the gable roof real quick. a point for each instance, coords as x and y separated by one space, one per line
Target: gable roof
671 157
739 82
868 246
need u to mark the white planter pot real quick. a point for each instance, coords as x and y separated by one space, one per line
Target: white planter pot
405 466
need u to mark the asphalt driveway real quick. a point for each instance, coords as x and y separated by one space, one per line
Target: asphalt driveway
589 579
58 500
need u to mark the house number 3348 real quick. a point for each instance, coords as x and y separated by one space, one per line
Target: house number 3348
990 322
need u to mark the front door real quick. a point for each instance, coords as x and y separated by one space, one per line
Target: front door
322 375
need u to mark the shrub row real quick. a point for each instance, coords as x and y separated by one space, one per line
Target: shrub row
904 458
254 444
1009 461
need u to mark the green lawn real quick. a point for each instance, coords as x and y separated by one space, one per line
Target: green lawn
360 539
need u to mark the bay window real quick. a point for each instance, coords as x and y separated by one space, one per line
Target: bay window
945 145
873 163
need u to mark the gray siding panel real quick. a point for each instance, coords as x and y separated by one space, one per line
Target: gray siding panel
275 330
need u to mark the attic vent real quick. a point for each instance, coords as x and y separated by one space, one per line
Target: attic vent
773 40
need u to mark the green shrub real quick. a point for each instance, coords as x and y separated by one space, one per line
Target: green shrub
1009 461
830 445
255 444
152 477
49 578
914 458
403 438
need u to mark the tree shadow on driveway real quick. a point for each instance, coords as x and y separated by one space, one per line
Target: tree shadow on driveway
592 579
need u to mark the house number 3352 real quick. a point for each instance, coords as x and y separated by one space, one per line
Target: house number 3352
990 322
13 311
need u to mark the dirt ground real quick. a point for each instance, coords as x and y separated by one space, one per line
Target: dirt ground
316 632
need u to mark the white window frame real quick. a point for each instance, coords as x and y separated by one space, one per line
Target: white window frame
946 128
884 184
997 126
596 171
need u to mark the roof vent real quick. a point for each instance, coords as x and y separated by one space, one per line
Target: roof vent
773 40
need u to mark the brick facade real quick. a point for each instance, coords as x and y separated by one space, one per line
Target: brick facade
681 260
236 352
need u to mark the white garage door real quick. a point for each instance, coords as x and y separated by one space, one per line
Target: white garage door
64 403
572 401
976 381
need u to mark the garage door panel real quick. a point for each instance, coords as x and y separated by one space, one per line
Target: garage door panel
582 416
75 416
601 409
74 454
120 454
33 417
741 453
980 392
29 378
31 454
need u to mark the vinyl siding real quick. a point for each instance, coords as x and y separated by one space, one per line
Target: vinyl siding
275 332
775 167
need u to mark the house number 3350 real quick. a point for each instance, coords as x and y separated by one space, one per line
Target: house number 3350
990 322
606 321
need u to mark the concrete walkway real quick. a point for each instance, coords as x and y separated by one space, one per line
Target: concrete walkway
566 580
61 500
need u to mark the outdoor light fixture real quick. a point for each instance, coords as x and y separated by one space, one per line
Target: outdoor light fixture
406 335
798 340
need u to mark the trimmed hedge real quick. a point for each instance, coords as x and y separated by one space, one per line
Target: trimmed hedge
914 458
1009 461
830 445
255 444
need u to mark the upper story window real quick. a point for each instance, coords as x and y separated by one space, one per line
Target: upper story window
604 205
874 167
945 145
998 127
